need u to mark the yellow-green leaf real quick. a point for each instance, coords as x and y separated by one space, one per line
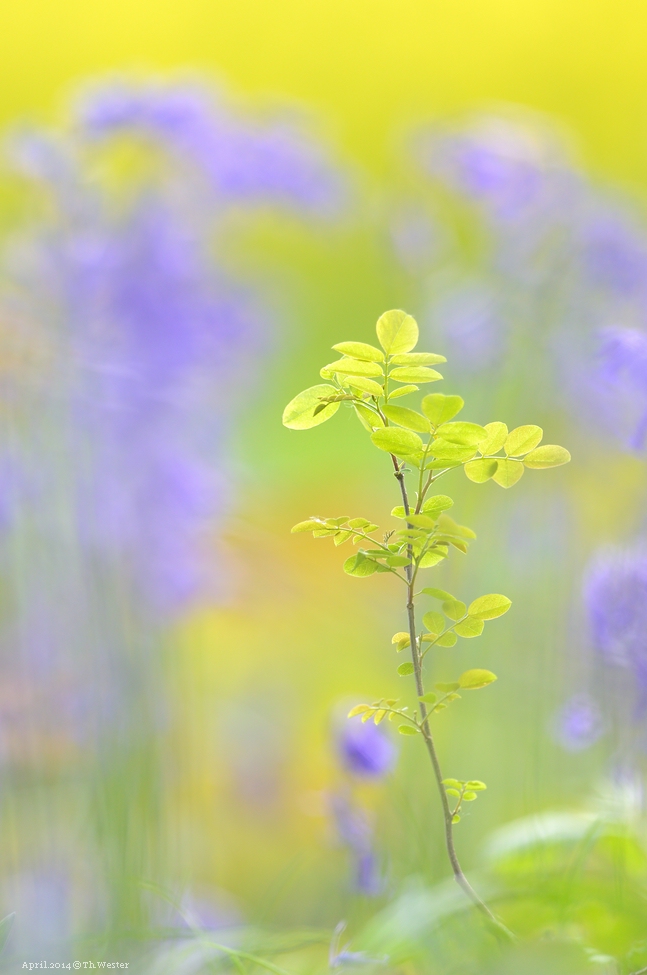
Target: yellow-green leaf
403 391
480 470
360 567
417 359
439 408
358 709
405 669
432 557
369 420
397 441
459 432
469 628
360 350
448 639
489 607
415 374
442 450
496 437
407 418
354 367
473 680
299 413
522 440
307 526
365 385
401 640
507 472
454 609
550 455
407 729
397 332
434 622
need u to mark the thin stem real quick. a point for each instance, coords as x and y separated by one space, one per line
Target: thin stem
459 876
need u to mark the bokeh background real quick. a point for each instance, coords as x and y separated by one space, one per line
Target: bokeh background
196 202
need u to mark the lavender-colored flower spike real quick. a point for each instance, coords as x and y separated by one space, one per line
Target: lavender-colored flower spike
615 594
356 833
623 372
242 160
365 750
579 723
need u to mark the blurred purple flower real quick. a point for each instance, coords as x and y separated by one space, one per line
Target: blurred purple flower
623 371
356 833
579 723
471 326
614 251
615 595
240 158
365 749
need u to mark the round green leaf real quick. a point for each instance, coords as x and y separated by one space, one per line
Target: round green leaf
360 350
397 332
360 567
454 609
437 503
550 455
429 698
434 622
415 374
439 408
459 432
522 440
480 470
469 628
299 413
432 557
407 418
438 594
407 729
496 437
469 796
397 441
442 450
354 367
405 669
417 359
489 607
507 472
475 785
474 680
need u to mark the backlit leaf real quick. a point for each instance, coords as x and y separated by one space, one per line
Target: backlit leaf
299 413
435 504
522 440
497 433
414 374
360 567
365 385
306 526
447 688
397 332
507 472
489 607
549 455
459 432
432 557
454 609
473 680
438 594
402 640
360 350
407 729
407 418
434 622
469 627
480 470
369 420
355 367
439 408
475 785
358 709
443 450
403 391
417 359
405 669
397 441
429 698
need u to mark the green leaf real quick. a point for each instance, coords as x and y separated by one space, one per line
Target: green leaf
454 609
453 792
402 640
444 463
466 434
355 367
507 472
469 627
435 504
360 350
299 413
420 521
439 408
397 560
434 622
397 332
407 418
358 709
407 729
489 607
480 470
496 435
307 526
475 785
469 796
474 680
522 440
432 557
448 639
369 420
379 716
549 455
414 374
405 669
358 565
456 819
429 698
403 391
447 688
398 511
443 450
365 385
453 783
438 594
397 441
417 359
449 527
342 537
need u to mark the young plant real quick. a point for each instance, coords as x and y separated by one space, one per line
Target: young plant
424 446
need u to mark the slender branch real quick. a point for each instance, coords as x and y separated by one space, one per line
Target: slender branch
459 876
